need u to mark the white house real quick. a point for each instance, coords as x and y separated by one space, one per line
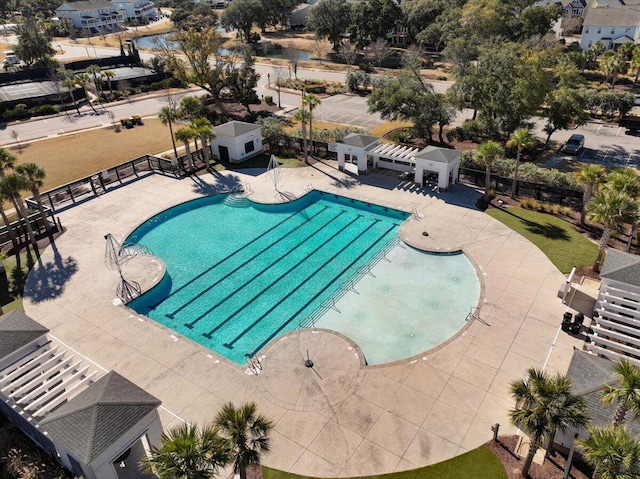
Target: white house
91 15
97 16
360 153
236 141
612 26
97 424
142 11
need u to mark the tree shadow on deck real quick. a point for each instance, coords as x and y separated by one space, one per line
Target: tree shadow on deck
48 280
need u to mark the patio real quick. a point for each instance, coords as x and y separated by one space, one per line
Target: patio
344 419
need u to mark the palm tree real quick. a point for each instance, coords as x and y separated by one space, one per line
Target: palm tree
625 393
109 75
95 72
487 154
185 135
190 107
69 83
311 100
635 63
12 185
204 129
303 116
612 451
83 80
167 116
613 63
589 176
544 404
247 432
625 180
613 209
520 139
12 234
7 162
35 177
187 452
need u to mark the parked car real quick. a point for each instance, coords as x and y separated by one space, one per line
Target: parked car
630 122
574 145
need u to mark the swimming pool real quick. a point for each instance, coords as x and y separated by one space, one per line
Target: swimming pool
240 274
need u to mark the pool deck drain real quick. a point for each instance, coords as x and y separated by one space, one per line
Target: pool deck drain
339 418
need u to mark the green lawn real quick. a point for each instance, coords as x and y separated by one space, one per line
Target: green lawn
480 462
558 239
259 161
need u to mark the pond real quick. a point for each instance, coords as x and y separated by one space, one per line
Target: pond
151 41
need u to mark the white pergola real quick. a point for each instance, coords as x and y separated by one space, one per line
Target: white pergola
43 380
395 157
615 332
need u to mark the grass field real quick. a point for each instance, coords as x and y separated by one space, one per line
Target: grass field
70 157
558 239
480 463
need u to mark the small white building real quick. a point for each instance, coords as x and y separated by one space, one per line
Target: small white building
612 26
97 424
360 153
236 141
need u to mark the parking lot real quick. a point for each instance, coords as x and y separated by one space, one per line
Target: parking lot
605 144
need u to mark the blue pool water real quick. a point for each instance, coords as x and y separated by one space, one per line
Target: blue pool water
240 274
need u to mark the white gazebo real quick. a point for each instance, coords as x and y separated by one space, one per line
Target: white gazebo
441 164
355 149
430 165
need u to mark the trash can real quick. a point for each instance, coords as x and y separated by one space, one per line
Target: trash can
566 321
579 318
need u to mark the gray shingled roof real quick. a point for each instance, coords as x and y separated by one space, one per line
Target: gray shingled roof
17 330
621 266
359 140
625 16
85 5
441 155
589 373
235 128
97 417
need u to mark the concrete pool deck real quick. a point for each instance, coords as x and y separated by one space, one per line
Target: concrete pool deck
341 418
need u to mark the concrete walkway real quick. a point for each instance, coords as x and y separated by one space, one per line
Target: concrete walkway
341 418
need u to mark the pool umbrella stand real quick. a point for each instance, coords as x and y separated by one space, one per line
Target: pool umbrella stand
273 171
126 290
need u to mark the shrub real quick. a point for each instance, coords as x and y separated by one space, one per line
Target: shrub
365 67
46 110
268 99
401 136
530 203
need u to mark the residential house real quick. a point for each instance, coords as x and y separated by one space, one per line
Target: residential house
97 424
570 8
102 16
612 26
94 16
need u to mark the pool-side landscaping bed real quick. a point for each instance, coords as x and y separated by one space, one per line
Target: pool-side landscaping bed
480 462
563 244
